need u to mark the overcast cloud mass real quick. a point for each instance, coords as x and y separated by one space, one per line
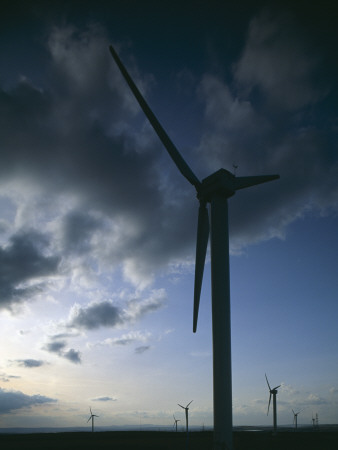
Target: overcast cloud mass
73 160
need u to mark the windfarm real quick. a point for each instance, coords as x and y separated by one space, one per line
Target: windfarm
168 225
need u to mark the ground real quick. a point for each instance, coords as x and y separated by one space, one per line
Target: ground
143 440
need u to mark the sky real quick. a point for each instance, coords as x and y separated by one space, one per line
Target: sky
98 227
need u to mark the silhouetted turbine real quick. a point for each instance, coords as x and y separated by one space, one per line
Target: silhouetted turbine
92 418
175 422
273 393
215 189
186 408
295 418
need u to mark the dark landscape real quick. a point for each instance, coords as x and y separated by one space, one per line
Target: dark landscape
141 440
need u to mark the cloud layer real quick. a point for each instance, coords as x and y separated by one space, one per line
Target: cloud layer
87 184
89 196
14 400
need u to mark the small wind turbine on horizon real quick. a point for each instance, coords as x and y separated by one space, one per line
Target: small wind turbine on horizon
215 190
295 418
91 417
186 408
273 394
175 422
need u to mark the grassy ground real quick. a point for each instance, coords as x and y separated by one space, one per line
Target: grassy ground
144 440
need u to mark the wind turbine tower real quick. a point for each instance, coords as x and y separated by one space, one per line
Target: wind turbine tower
91 417
295 418
214 190
186 408
175 423
273 394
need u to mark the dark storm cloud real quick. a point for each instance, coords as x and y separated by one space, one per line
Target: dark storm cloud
82 137
273 117
23 260
78 230
278 61
29 363
14 400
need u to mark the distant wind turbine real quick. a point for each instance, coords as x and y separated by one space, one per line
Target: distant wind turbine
295 418
215 189
175 422
273 393
186 408
91 417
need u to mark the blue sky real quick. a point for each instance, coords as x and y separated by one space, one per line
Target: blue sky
97 226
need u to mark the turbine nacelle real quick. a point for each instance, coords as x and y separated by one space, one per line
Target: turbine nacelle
274 390
226 184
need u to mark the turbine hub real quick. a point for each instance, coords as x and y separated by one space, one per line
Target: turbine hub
219 183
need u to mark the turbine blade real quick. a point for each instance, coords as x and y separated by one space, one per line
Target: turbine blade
244 182
166 141
277 387
269 404
268 382
181 406
189 403
201 250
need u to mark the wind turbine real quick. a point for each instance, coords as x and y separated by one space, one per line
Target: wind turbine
175 422
295 418
273 393
215 189
92 418
186 408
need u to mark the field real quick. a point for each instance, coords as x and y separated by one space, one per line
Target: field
143 440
